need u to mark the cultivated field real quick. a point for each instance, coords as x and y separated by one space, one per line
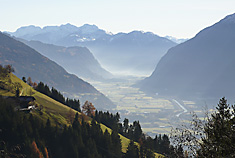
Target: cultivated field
157 115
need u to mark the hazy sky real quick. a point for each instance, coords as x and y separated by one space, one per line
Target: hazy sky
179 18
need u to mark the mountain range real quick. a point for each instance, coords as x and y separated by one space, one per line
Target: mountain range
29 63
77 60
136 52
176 40
202 67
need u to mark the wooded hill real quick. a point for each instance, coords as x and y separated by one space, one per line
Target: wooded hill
53 129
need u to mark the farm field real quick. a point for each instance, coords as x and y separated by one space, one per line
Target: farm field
157 115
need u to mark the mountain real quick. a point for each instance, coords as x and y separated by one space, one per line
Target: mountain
60 35
76 60
176 40
28 62
136 52
202 67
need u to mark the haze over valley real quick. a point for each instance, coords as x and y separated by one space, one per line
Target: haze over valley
184 84
67 85
133 53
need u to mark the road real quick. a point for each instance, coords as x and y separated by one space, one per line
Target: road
181 106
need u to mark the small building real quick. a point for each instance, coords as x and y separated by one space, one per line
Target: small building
26 98
23 101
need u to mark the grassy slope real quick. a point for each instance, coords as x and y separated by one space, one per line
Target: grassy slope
55 111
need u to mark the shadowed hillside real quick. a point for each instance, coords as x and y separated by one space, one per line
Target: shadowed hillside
28 62
77 60
202 67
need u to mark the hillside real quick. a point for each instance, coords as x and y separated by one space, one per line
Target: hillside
58 113
55 111
136 52
29 63
77 60
200 68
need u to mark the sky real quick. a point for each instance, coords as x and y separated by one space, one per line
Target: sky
177 18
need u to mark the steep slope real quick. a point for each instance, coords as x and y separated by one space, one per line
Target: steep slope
27 62
202 67
57 113
76 60
136 52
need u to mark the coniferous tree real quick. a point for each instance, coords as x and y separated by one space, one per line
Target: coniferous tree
137 132
219 130
126 125
24 79
117 147
55 94
132 150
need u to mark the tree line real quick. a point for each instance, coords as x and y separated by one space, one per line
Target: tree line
160 144
23 135
58 96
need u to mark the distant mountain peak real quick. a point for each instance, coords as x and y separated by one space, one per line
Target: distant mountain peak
176 40
24 30
141 33
138 32
68 26
87 28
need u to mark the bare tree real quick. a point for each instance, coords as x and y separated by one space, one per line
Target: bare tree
29 81
190 136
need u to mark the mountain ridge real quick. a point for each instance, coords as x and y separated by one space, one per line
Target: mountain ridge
136 52
76 60
29 63
198 66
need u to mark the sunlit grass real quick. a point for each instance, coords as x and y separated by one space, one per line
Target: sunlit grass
55 111
6 93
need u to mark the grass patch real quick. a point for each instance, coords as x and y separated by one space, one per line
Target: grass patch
54 110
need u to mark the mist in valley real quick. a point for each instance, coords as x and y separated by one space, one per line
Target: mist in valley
117 79
149 78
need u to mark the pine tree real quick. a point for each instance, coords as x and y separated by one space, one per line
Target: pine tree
219 130
24 79
137 132
117 146
132 150
126 125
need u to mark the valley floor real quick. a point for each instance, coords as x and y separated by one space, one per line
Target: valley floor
156 114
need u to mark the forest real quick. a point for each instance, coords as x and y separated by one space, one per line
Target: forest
24 135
